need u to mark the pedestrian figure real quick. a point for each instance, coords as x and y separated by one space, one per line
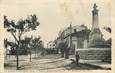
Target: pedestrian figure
77 58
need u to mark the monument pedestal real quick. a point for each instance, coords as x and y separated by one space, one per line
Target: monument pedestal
96 38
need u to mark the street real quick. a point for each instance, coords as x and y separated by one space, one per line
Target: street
50 62
39 63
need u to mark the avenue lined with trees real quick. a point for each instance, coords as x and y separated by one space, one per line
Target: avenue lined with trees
17 29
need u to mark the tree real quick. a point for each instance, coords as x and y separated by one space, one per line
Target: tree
66 50
33 44
27 45
63 46
12 46
17 29
108 29
36 45
5 45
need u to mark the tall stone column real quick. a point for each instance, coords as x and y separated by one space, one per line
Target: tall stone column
95 36
95 17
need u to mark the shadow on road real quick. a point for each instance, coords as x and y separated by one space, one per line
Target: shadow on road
83 66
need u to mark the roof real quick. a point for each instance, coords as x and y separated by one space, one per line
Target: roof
75 30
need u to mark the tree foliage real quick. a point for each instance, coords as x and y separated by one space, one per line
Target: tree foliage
108 29
17 29
21 26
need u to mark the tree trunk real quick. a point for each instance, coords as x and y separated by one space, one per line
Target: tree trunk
67 54
30 56
62 53
17 51
17 56
57 51
17 62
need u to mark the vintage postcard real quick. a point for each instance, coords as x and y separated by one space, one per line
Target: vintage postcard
72 36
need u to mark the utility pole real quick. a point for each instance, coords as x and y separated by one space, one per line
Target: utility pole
71 35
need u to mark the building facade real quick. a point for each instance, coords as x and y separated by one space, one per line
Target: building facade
75 36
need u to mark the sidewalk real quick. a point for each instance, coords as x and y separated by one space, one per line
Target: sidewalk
95 62
101 64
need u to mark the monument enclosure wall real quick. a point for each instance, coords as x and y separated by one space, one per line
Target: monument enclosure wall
95 53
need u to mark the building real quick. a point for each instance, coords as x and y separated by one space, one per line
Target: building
75 36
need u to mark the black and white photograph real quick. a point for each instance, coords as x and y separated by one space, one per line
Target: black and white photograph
56 35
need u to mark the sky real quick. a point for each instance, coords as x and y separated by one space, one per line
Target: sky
55 15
